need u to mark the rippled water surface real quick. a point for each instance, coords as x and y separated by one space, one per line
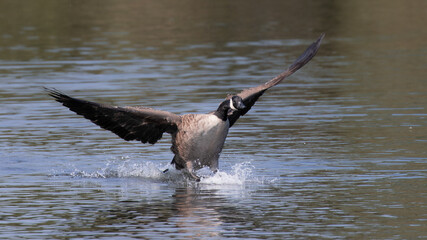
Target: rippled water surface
336 151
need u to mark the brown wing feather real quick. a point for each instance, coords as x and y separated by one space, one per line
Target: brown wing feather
129 123
251 95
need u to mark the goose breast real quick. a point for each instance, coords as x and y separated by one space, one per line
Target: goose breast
200 139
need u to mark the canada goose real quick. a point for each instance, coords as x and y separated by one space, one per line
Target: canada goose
197 139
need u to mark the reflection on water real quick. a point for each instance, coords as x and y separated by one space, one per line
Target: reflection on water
336 151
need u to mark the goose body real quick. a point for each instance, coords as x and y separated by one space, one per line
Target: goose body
197 139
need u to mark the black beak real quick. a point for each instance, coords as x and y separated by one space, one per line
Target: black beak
240 105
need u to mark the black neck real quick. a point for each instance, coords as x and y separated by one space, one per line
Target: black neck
222 110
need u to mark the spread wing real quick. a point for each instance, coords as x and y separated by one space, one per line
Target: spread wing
251 95
129 123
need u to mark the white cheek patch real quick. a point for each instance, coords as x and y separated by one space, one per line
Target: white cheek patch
232 106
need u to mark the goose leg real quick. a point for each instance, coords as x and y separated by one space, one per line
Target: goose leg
189 170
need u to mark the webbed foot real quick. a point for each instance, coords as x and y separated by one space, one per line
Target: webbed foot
193 176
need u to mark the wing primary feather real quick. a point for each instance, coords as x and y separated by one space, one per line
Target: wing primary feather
129 123
251 95
302 60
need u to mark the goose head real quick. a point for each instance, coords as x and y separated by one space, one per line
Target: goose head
234 103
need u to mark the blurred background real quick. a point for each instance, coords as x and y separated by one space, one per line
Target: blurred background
338 150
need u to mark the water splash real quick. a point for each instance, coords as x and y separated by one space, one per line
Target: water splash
122 169
239 174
